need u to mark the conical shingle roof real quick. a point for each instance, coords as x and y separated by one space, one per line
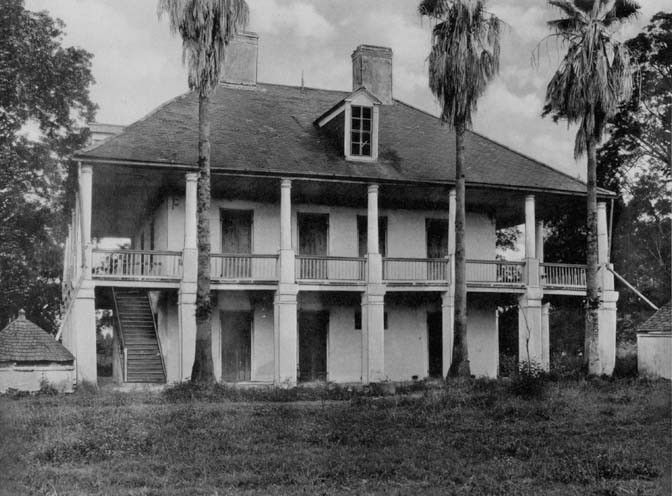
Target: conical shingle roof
23 341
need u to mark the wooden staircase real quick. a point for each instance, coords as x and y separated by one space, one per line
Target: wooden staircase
138 335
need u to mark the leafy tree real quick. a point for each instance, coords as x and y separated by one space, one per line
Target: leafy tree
640 149
44 106
206 28
594 77
464 57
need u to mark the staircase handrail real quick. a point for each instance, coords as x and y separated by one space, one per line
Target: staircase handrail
122 344
158 338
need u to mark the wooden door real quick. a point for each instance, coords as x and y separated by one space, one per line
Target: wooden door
437 247
236 346
435 343
236 239
313 330
314 241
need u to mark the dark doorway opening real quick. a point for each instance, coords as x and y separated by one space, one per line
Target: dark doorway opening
236 346
313 329
435 343
437 248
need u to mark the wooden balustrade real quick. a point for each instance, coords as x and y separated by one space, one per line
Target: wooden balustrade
563 275
165 265
495 272
136 264
416 269
316 268
229 267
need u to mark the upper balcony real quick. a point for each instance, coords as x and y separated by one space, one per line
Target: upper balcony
327 228
156 268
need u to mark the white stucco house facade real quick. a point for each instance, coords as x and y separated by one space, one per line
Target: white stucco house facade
332 227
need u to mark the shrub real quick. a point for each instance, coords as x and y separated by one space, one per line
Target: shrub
626 366
508 364
530 381
46 388
566 366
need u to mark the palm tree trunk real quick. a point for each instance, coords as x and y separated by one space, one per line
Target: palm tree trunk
591 355
460 363
202 370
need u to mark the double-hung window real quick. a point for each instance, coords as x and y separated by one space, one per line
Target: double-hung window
360 131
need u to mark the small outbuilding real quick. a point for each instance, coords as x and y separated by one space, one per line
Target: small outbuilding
31 357
654 344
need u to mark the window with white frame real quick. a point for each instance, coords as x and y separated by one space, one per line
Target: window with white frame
360 131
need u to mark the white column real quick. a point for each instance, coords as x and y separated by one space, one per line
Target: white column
286 214
373 299
606 314
83 333
372 220
447 321
190 220
530 250
545 337
85 192
448 298
374 260
287 259
451 223
187 291
540 241
285 304
373 334
530 325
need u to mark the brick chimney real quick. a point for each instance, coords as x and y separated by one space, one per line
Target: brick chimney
240 65
372 68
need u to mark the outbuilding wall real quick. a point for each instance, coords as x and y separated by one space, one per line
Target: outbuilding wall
31 377
654 354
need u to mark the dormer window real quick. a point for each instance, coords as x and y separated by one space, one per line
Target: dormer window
353 125
360 135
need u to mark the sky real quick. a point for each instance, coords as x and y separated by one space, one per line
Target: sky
137 63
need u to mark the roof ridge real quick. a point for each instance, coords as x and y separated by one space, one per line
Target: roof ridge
302 87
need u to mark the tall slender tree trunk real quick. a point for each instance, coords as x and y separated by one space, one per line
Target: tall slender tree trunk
202 370
460 363
591 355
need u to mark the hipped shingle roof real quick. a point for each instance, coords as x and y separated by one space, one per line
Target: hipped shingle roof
661 321
23 341
271 130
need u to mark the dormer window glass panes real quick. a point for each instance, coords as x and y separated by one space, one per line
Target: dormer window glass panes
360 132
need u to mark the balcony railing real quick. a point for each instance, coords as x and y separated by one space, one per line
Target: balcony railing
317 268
237 267
416 269
136 264
495 272
554 275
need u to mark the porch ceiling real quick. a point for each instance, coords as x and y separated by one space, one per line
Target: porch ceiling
123 197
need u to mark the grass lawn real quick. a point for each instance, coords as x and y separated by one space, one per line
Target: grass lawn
586 437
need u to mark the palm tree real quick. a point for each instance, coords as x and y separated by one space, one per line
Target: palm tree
463 59
206 28
593 78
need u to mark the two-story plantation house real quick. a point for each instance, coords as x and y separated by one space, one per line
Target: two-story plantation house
332 232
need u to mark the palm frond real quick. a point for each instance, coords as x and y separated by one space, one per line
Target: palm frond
594 76
206 28
464 56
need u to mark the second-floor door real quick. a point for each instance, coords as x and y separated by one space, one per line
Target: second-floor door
437 247
236 240
313 242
